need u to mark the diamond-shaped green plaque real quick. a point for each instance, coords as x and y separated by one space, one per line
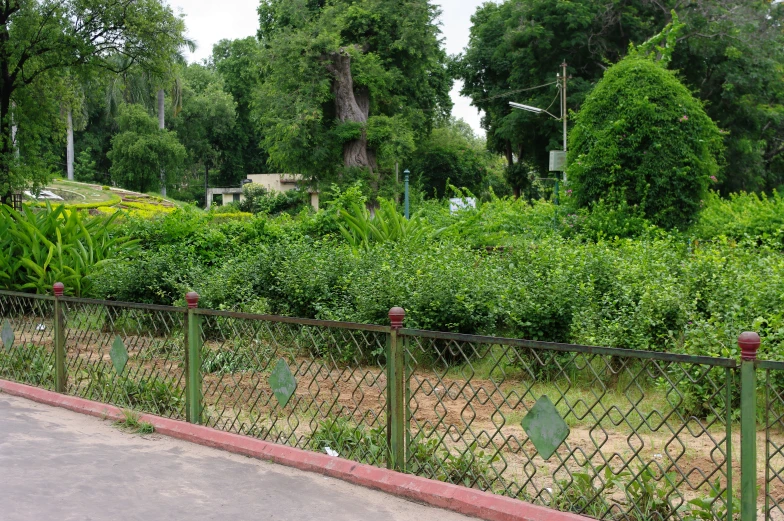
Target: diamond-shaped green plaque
282 382
545 427
7 335
119 355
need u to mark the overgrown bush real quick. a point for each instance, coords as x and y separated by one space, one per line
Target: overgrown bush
258 199
642 140
750 219
551 282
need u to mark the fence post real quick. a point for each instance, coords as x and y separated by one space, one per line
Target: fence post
59 339
749 343
193 396
396 393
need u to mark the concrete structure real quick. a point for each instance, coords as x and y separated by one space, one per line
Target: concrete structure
272 182
228 195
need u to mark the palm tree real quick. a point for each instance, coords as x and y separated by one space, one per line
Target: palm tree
178 61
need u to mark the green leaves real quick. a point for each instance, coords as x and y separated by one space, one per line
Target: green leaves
39 248
642 141
140 152
387 225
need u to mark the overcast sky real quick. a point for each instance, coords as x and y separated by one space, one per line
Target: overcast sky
238 19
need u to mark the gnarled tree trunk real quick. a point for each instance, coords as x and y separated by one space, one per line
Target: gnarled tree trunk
351 106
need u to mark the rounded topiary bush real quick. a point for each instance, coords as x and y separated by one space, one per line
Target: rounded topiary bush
641 139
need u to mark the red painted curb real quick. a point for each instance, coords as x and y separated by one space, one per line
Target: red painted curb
464 500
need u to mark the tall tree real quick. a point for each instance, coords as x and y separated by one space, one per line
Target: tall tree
41 38
732 55
141 151
335 71
514 53
205 125
240 63
729 53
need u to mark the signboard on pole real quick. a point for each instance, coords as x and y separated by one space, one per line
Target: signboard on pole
557 161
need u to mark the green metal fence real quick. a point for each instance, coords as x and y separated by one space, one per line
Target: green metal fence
608 433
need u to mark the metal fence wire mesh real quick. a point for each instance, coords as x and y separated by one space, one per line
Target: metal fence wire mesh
27 340
607 433
774 440
125 355
306 385
638 437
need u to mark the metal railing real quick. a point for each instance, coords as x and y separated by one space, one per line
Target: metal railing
608 433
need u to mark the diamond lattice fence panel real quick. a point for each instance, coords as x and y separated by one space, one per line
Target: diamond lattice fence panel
129 356
300 383
27 339
602 432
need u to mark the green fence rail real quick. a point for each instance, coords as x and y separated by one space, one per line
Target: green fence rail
607 433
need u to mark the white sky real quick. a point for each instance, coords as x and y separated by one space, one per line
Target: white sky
209 21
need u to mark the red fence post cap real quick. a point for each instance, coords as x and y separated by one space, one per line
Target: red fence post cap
192 298
59 289
749 342
396 316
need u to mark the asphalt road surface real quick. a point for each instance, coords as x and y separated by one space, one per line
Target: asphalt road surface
59 465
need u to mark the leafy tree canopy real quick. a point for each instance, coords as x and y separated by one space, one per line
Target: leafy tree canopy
206 125
44 41
141 151
728 54
452 154
517 46
347 84
239 63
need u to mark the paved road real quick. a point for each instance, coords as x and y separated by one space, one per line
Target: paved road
59 465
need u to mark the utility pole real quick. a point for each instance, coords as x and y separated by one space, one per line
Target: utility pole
564 112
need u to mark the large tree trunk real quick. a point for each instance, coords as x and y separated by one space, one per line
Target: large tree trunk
161 126
70 146
350 106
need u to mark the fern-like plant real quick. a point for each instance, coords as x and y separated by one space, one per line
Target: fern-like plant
361 230
41 247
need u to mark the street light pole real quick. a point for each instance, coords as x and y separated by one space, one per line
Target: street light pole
563 103
406 173
564 113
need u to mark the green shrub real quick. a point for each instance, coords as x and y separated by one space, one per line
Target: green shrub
470 468
750 219
641 139
350 441
258 199
387 225
159 396
30 364
39 248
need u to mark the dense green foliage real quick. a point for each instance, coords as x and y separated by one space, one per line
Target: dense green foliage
349 84
725 55
258 199
452 154
239 63
560 277
643 141
140 152
47 48
39 248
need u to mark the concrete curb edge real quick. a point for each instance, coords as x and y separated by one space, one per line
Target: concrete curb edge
483 505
